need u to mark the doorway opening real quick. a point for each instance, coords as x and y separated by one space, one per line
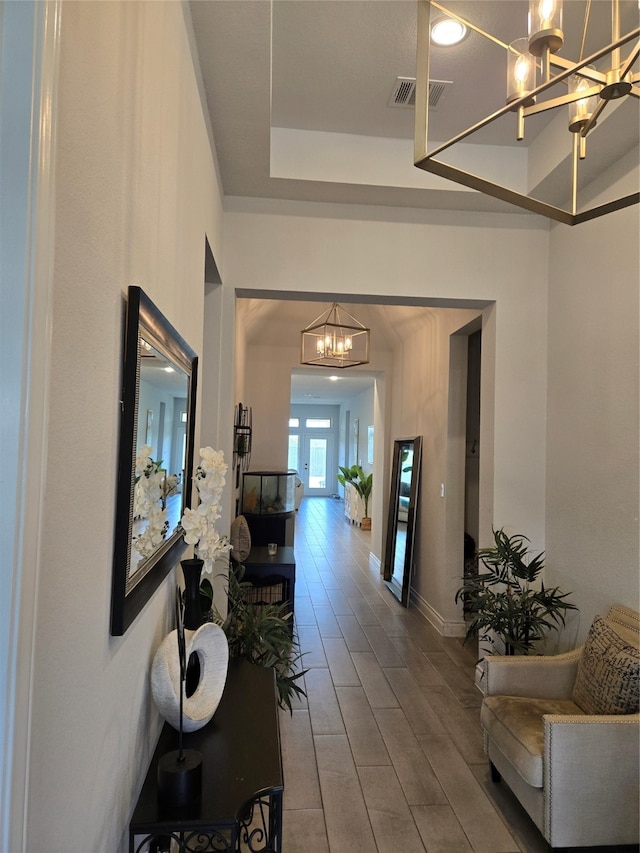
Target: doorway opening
418 386
313 434
331 425
472 459
472 452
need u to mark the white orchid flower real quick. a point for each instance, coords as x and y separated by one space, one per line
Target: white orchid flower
199 524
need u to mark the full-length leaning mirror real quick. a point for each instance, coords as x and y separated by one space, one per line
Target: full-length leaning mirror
403 510
155 456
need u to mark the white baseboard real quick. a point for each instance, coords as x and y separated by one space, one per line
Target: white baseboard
446 628
374 562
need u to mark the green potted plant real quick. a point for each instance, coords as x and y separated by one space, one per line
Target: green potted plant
363 486
505 606
347 475
362 483
263 635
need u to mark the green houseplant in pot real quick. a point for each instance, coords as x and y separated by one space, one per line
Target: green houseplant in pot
263 635
347 475
505 605
362 483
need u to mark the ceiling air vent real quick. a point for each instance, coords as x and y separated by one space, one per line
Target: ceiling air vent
404 92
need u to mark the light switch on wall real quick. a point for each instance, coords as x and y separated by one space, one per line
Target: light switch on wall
442 490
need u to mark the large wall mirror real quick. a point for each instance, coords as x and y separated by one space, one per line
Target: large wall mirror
155 456
403 509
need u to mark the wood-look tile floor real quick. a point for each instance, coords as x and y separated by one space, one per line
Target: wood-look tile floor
385 754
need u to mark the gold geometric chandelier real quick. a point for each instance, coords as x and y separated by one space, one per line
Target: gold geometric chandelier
591 85
335 339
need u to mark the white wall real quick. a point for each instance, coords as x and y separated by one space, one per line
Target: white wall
581 281
136 192
429 394
267 388
361 407
28 57
473 258
593 426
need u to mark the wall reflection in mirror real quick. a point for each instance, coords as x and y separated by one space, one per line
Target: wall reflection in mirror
161 448
403 507
155 457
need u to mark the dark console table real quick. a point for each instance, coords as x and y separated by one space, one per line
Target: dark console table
267 573
242 783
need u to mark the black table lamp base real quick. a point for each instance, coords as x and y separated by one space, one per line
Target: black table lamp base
180 778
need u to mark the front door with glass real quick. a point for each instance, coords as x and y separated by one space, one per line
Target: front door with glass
315 465
312 454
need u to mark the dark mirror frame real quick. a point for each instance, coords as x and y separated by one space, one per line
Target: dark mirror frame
142 316
402 592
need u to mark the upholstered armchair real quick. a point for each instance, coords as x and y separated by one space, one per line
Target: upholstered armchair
564 733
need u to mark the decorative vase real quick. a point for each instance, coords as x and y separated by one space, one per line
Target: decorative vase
365 524
191 570
210 646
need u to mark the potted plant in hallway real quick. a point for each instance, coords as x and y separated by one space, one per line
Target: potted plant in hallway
505 606
262 633
363 484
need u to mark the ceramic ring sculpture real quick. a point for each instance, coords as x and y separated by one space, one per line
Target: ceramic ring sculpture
209 643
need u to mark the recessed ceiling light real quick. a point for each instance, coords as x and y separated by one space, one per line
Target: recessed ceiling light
447 32
333 378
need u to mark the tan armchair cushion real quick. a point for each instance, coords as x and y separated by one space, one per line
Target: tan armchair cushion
608 675
516 725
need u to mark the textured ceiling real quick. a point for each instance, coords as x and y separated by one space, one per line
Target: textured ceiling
329 66
271 322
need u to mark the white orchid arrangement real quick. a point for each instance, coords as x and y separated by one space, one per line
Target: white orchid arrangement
147 494
199 524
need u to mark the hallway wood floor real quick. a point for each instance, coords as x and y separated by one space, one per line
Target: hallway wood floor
385 754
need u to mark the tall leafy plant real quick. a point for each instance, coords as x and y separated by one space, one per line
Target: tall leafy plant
348 475
263 635
505 602
361 482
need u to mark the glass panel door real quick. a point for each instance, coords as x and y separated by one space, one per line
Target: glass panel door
315 474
